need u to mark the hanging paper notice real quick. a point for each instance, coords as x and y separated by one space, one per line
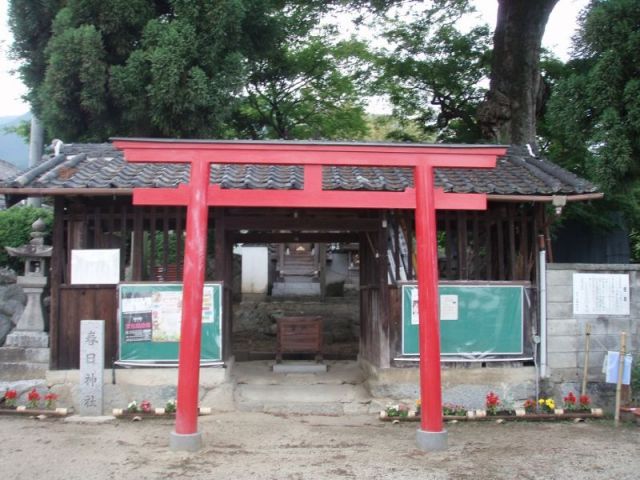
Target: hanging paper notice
611 366
449 307
95 267
600 294
415 320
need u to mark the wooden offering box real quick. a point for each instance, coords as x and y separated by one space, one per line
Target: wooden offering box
299 335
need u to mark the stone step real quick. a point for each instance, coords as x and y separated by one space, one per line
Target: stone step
299 279
298 270
298 258
282 289
319 399
22 370
19 354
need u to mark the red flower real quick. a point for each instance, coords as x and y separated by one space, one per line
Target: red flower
492 401
10 395
33 398
33 395
530 405
145 406
50 400
570 399
585 401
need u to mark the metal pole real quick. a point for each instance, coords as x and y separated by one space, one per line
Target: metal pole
36 139
585 369
431 435
623 349
186 435
543 311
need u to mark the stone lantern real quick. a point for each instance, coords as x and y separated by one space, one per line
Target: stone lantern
29 332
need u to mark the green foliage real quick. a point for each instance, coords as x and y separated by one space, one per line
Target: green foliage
593 119
304 90
30 22
385 128
74 95
15 230
434 73
635 380
22 129
177 68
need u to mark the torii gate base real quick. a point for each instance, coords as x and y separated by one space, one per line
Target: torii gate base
199 195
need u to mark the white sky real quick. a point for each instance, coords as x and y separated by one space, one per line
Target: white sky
557 38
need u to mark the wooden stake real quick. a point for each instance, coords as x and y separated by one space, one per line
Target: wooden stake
587 346
623 341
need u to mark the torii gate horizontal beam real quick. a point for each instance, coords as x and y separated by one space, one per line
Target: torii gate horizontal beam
273 153
222 197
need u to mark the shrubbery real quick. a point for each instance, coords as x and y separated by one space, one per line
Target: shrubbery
15 230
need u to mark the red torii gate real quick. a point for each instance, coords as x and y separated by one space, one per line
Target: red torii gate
198 195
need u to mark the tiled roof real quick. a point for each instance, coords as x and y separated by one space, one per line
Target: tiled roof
102 166
7 170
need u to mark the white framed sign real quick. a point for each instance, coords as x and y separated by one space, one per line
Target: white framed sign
601 294
95 267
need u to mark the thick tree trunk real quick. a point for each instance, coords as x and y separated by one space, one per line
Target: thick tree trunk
508 114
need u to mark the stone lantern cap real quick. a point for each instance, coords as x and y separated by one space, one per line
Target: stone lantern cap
34 251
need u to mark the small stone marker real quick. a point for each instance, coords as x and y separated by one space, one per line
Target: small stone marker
91 367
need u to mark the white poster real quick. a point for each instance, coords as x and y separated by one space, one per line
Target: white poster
166 313
600 294
415 319
95 267
449 307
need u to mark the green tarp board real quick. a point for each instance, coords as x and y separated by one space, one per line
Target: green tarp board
475 320
149 319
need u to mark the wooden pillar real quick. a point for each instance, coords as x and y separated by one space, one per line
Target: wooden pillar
55 277
383 320
137 244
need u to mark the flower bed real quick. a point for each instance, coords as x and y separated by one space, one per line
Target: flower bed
495 409
23 410
155 413
145 410
34 406
481 415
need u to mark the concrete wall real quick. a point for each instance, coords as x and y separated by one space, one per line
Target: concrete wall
566 331
255 270
158 385
464 384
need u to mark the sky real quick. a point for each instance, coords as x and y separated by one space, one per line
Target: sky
557 38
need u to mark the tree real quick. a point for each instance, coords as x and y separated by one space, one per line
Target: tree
306 89
593 119
516 92
30 23
445 66
434 72
134 67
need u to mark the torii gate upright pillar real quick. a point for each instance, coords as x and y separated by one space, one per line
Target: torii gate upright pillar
431 435
186 435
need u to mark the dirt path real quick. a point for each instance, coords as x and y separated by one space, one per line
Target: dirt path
259 446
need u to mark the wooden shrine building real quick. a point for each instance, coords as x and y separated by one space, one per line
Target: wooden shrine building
92 185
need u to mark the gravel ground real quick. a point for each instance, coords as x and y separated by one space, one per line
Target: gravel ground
261 446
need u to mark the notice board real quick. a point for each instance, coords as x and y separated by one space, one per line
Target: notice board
149 319
475 320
